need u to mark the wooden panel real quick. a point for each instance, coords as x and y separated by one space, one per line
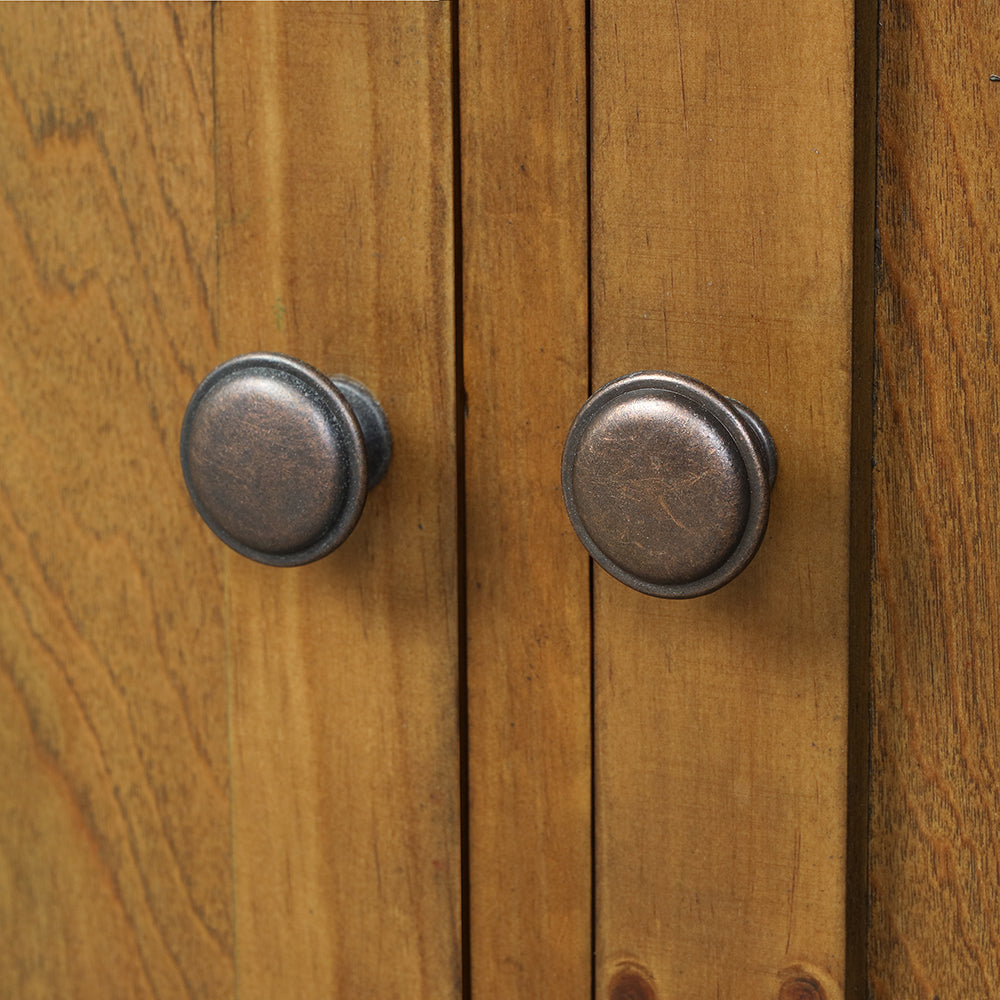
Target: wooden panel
335 181
935 833
722 248
115 876
524 238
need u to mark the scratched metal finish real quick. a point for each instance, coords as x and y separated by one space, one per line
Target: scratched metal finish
275 459
667 483
267 462
662 486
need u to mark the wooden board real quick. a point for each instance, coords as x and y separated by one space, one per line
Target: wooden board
115 875
722 194
524 237
935 816
336 246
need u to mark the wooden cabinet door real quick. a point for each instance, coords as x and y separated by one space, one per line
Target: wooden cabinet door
454 759
711 186
217 778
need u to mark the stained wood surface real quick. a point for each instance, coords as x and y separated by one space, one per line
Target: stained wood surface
336 245
721 205
722 248
524 223
935 808
115 875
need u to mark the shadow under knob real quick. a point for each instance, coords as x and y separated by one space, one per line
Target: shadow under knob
278 457
667 483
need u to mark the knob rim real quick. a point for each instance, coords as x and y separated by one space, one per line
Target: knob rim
320 391
751 440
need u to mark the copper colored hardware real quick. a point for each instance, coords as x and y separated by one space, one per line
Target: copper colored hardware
279 458
667 483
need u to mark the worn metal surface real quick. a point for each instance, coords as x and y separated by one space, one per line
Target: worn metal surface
668 483
278 458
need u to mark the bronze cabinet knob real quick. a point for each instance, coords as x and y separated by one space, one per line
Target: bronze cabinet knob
668 483
279 458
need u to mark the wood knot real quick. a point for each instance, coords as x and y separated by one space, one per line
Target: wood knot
799 985
631 982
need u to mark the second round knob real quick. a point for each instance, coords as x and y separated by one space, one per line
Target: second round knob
278 457
668 483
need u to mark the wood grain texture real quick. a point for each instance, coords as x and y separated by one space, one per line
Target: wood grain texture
524 225
722 189
115 875
935 807
336 245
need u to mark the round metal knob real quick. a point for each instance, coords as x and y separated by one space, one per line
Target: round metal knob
667 483
279 458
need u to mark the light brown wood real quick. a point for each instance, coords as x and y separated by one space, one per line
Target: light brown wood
722 225
722 187
935 806
115 876
524 238
336 245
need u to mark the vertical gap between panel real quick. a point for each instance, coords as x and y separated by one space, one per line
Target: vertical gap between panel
462 692
588 72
